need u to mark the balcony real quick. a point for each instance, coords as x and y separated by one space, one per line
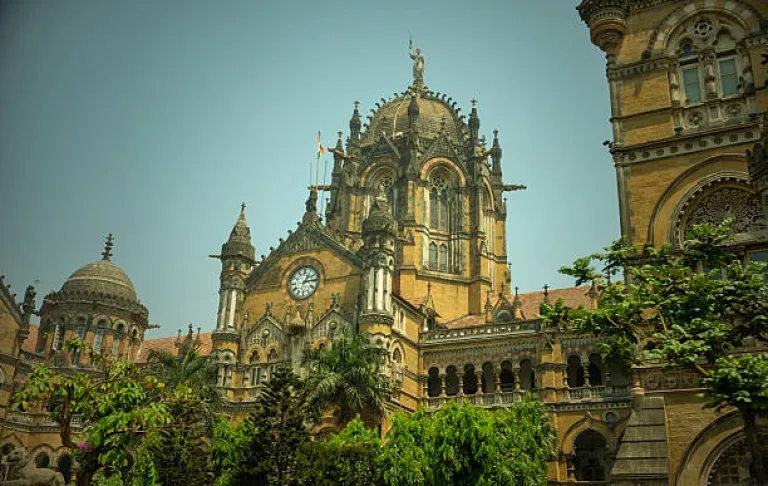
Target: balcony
586 393
38 421
485 400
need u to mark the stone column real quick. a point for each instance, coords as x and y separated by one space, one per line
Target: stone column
516 374
460 376
442 385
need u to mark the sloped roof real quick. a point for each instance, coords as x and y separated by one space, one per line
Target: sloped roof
31 341
169 344
530 303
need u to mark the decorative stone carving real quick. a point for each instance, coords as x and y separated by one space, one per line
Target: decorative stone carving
27 474
714 206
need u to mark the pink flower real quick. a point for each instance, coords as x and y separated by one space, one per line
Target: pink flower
83 446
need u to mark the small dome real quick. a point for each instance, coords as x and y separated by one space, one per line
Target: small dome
434 114
101 276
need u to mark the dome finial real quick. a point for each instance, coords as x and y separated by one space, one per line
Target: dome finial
108 247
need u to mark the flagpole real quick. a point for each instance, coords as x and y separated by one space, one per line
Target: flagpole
317 165
325 174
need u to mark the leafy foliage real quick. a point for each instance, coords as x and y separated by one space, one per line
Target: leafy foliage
276 431
699 306
350 458
470 446
348 378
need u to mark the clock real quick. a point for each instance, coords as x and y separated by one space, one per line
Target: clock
303 282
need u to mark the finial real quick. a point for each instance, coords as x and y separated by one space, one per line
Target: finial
429 288
495 134
546 289
474 102
340 134
517 290
242 207
357 104
503 288
108 247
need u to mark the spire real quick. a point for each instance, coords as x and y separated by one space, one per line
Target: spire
355 124
107 253
496 153
517 305
488 306
239 242
474 122
546 295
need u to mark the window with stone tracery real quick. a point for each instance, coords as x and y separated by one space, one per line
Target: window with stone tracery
439 210
716 203
733 467
442 212
711 65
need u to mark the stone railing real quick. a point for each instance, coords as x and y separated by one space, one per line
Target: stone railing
38 419
596 392
481 331
485 400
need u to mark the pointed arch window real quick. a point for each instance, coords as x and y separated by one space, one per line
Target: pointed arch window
433 256
439 207
443 258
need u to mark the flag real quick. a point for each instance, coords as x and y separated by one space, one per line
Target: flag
320 148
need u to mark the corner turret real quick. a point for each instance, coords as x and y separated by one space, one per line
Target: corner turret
237 259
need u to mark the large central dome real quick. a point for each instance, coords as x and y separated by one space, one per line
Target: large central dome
435 115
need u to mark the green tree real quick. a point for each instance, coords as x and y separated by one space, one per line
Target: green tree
698 306
181 452
276 430
468 445
112 401
347 378
349 458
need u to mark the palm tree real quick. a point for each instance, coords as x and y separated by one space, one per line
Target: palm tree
347 378
192 371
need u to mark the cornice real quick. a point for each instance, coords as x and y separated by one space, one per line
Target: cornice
756 41
628 71
624 155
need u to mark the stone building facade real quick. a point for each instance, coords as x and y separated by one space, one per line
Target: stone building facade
412 249
689 96
98 304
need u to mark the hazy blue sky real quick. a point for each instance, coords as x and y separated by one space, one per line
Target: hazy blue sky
155 119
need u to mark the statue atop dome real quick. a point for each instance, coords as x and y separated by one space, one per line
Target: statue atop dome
418 64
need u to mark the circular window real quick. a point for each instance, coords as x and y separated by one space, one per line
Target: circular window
703 27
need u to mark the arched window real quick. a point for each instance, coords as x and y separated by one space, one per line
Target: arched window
451 381
595 370
433 256
489 378
590 454
470 380
397 364
439 204
507 377
527 376
575 372
443 258
434 387
116 338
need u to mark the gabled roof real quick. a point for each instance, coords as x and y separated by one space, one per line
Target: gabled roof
310 235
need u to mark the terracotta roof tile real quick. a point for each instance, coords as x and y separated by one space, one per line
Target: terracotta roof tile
530 303
169 344
31 341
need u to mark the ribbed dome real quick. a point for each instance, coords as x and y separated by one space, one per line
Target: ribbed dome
433 115
101 276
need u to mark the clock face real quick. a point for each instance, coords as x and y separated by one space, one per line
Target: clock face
303 282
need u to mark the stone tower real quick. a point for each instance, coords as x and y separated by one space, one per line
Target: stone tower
236 261
688 97
378 255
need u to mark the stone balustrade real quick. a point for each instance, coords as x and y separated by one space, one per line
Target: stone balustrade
480 331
